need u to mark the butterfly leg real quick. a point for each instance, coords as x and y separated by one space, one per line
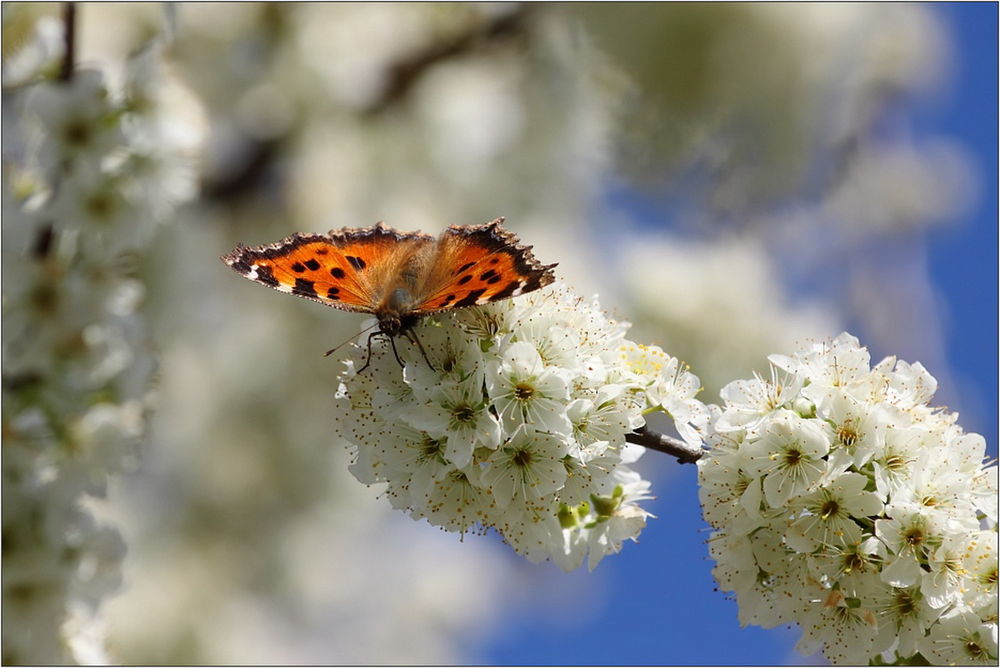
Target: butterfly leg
392 341
412 336
368 360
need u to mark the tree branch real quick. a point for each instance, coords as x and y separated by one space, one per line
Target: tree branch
403 74
675 447
69 35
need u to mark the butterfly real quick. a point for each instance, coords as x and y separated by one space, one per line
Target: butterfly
399 277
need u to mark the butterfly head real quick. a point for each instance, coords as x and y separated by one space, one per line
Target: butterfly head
394 324
395 315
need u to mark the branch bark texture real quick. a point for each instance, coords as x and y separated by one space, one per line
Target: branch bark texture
674 447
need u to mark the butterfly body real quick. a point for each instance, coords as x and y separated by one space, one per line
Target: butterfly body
395 313
399 277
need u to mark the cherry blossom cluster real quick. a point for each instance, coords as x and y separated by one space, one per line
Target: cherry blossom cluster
88 174
516 420
843 502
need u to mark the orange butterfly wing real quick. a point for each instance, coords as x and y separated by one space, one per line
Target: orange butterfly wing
478 264
350 269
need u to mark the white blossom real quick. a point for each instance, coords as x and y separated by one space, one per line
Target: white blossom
842 502
526 391
527 468
962 638
77 359
459 415
518 423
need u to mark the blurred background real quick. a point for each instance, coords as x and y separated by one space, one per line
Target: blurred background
731 178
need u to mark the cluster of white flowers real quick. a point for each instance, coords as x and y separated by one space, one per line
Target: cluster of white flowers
843 502
87 176
518 423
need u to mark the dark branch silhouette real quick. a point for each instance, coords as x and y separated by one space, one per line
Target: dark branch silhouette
69 36
403 74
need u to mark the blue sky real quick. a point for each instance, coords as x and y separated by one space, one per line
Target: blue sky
655 602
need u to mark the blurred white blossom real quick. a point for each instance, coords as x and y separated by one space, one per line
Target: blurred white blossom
719 305
517 420
77 359
896 188
841 501
39 56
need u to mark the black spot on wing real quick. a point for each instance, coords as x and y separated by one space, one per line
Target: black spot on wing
465 279
496 240
470 298
266 276
507 291
298 268
356 262
304 288
463 268
448 300
313 265
333 293
241 266
487 275
337 272
536 281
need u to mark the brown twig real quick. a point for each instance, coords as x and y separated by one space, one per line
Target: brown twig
675 447
69 35
403 74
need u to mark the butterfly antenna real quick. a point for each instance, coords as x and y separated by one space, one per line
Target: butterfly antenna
339 346
412 336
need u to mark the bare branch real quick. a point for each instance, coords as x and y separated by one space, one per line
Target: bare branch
675 447
403 74
69 35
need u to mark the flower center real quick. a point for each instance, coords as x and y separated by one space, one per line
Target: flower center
854 562
458 477
44 297
905 604
522 457
829 509
973 649
430 447
847 434
99 205
914 536
793 457
76 133
463 413
895 463
523 391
